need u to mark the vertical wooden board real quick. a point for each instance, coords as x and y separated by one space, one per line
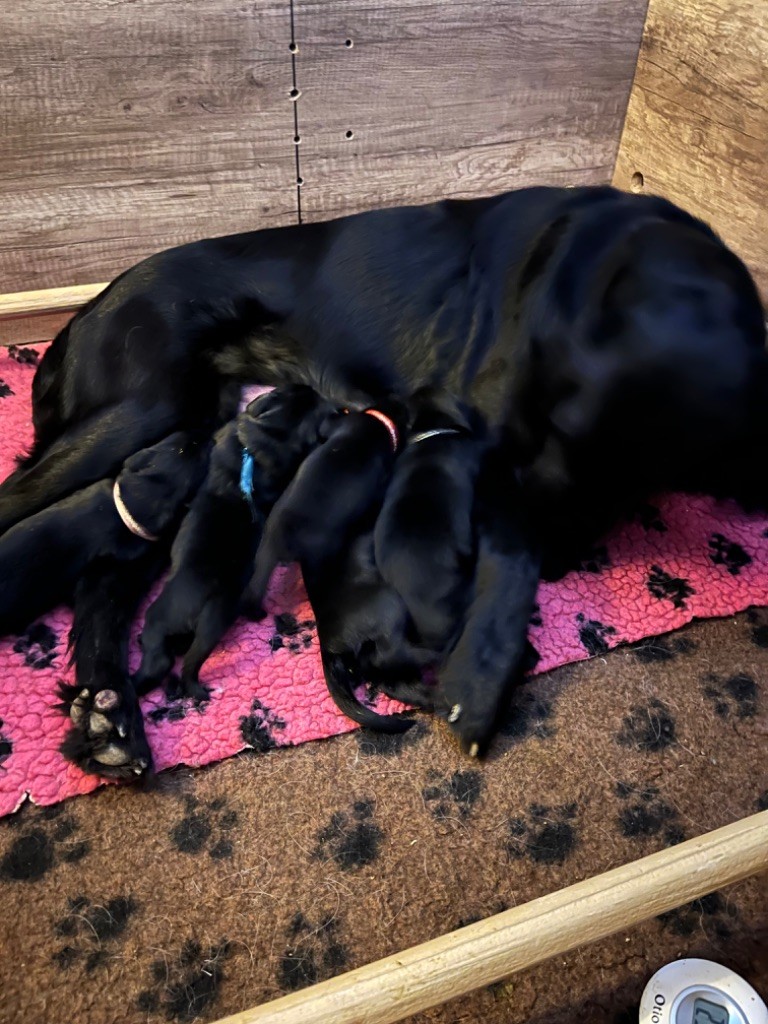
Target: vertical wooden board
128 127
697 123
458 98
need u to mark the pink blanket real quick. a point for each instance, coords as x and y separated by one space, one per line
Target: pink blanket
683 558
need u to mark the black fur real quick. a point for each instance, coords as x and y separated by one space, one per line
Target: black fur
615 337
212 556
334 496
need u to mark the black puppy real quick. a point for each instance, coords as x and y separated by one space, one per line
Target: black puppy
335 495
492 652
212 555
424 535
363 627
100 549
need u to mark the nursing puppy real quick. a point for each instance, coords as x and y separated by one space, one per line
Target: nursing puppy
424 535
100 549
492 652
363 627
335 495
212 556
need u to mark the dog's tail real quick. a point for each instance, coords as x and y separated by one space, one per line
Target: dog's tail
341 682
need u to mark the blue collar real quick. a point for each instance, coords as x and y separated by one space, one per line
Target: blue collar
246 479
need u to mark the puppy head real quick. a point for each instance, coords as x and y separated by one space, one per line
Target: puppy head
434 408
157 482
283 425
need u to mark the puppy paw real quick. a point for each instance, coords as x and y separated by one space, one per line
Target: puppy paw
187 688
107 736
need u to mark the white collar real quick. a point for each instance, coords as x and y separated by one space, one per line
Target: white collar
437 432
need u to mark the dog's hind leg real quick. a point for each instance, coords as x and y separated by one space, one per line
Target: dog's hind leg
215 619
91 451
161 625
107 736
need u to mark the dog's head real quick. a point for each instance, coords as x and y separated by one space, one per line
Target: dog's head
156 483
281 427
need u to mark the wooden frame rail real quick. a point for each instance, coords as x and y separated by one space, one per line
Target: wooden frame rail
480 954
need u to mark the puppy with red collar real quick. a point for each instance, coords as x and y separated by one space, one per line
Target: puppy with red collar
335 495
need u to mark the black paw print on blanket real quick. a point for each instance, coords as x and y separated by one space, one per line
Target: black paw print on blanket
546 835
258 728
46 841
5 389
38 644
593 635
665 587
6 746
728 553
351 838
736 697
94 931
313 953
185 986
24 354
205 827
292 634
644 814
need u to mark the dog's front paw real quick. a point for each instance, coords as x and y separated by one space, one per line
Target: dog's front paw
107 737
187 687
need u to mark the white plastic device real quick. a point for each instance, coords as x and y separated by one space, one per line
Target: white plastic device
700 992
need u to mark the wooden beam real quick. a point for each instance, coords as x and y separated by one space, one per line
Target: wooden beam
48 300
697 123
486 952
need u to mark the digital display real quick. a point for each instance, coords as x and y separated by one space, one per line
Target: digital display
705 1012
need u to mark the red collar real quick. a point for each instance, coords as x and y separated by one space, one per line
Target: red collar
391 428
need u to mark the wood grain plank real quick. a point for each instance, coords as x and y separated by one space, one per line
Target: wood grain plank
128 127
456 99
697 122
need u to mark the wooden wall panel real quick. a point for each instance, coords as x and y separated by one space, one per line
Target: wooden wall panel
697 123
458 98
128 127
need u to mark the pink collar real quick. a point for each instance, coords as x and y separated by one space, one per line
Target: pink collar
126 516
387 423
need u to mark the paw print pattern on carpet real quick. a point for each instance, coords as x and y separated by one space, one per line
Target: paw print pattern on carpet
710 913
728 553
352 839
645 814
289 632
205 827
177 709
736 697
649 728
94 931
389 744
529 716
663 586
662 648
592 635
257 728
38 644
454 796
313 953
40 847
184 988
546 835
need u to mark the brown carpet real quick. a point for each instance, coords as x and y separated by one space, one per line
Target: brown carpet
227 887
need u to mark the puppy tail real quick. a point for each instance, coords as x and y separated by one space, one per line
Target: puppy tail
341 684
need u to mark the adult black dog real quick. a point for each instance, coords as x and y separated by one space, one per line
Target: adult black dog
617 340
